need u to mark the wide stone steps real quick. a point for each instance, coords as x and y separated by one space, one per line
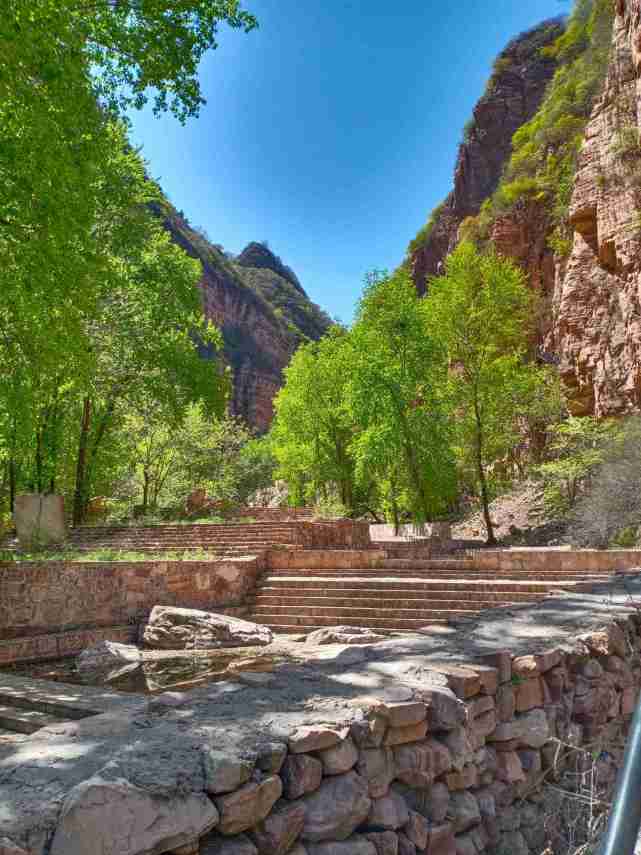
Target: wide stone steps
476 576
422 587
387 598
399 594
299 623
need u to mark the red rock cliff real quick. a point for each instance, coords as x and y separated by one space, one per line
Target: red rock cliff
596 323
262 311
514 93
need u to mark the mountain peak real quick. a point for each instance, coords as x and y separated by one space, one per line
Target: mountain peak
260 255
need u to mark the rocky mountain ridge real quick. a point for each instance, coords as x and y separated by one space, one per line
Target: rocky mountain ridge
261 309
587 264
513 95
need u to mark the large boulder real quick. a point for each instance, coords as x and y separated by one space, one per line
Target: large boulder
343 635
172 628
108 660
116 816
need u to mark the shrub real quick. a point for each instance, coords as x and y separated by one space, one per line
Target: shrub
610 512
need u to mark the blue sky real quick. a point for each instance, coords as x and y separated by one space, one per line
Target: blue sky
332 130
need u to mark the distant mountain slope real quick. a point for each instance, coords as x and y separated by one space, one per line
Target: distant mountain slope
261 308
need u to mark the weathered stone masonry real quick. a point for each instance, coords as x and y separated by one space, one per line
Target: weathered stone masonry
411 747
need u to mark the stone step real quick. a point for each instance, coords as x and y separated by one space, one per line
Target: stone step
468 576
294 623
404 604
398 588
389 599
343 614
20 720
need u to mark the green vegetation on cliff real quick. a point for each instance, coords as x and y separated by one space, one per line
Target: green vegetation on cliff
544 155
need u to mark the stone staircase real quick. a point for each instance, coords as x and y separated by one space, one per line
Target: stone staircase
223 539
400 594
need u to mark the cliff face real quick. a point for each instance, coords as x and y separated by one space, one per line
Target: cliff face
263 315
596 323
521 74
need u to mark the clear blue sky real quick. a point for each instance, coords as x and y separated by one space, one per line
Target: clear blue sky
332 130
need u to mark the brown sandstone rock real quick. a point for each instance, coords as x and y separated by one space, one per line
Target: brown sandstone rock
335 810
215 844
464 811
340 758
441 840
417 830
402 735
301 774
248 806
356 845
405 845
278 832
385 842
145 823
414 765
313 738
376 766
511 101
388 812
436 802
224 772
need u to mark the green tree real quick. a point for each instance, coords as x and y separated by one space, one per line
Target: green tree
313 428
576 447
482 311
397 396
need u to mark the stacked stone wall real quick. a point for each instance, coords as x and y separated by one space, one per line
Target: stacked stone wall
39 601
452 770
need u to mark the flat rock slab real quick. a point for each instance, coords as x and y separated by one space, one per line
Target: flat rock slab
172 628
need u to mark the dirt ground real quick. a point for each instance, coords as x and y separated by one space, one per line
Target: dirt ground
520 520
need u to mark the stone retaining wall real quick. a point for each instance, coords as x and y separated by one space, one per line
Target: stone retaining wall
337 534
578 560
323 559
452 771
38 600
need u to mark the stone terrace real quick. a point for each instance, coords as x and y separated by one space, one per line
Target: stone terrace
418 746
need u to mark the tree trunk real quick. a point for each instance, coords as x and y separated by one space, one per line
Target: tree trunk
491 539
80 498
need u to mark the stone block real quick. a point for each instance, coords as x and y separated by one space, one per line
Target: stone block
377 767
445 711
301 774
336 809
385 842
279 830
414 764
313 738
464 811
441 840
39 519
216 844
417 830
248 806
529 694
389 812
403 735
340 758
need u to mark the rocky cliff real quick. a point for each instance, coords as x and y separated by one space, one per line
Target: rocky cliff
574 222
262 311
596 322
513 95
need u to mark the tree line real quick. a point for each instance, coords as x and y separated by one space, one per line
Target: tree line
100 316
423 399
